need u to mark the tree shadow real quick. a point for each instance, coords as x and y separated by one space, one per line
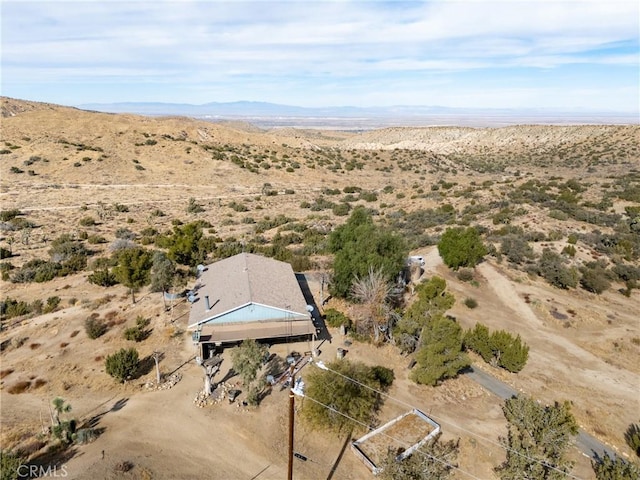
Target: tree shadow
54 459
119 405
180 366
340 455
145 366
229 375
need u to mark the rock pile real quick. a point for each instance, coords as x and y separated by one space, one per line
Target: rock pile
168 383
220 392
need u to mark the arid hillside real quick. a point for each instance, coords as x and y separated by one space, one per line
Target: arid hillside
77 187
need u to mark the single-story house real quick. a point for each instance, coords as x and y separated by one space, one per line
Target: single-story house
248 296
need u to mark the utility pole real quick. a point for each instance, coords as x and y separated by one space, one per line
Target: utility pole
291 414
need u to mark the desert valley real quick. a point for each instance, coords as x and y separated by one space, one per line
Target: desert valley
557 209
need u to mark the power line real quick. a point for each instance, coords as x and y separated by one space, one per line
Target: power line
322 366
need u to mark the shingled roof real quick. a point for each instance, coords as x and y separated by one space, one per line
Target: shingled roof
246 279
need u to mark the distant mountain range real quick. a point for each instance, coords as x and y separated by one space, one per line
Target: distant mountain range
276 115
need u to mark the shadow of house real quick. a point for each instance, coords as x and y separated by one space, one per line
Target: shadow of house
322 333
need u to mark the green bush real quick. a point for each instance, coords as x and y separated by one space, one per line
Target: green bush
441 355
479 341
122 364
499 348
335 319
359 246
341 209
139 332
470 302
87 221
552 268
10 464
465 274
7 215
460 247
595 278
102 277
632 437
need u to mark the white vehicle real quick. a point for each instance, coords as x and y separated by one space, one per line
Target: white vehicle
416 259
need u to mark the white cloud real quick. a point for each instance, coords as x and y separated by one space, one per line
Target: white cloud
309 43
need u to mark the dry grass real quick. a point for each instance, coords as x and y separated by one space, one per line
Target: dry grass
39 382
19 387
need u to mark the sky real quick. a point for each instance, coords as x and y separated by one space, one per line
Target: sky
578 55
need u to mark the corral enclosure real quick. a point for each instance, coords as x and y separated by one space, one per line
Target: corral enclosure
402 435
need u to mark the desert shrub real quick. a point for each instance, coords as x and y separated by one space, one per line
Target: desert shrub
238 207
86 435
569 250
10 462
594 279
125 234
87 221
558 214
552 268
516 249
341 209
96 239
632 437
194 207
139 332
626 273
102 277
122 364
52 304
7 215
470 302
95 327
368 196
465 274
10 307
5 253
120 208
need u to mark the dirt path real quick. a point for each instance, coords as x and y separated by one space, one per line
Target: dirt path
558 369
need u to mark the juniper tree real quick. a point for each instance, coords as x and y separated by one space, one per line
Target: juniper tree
538 439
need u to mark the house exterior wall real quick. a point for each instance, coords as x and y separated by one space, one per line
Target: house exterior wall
254 313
